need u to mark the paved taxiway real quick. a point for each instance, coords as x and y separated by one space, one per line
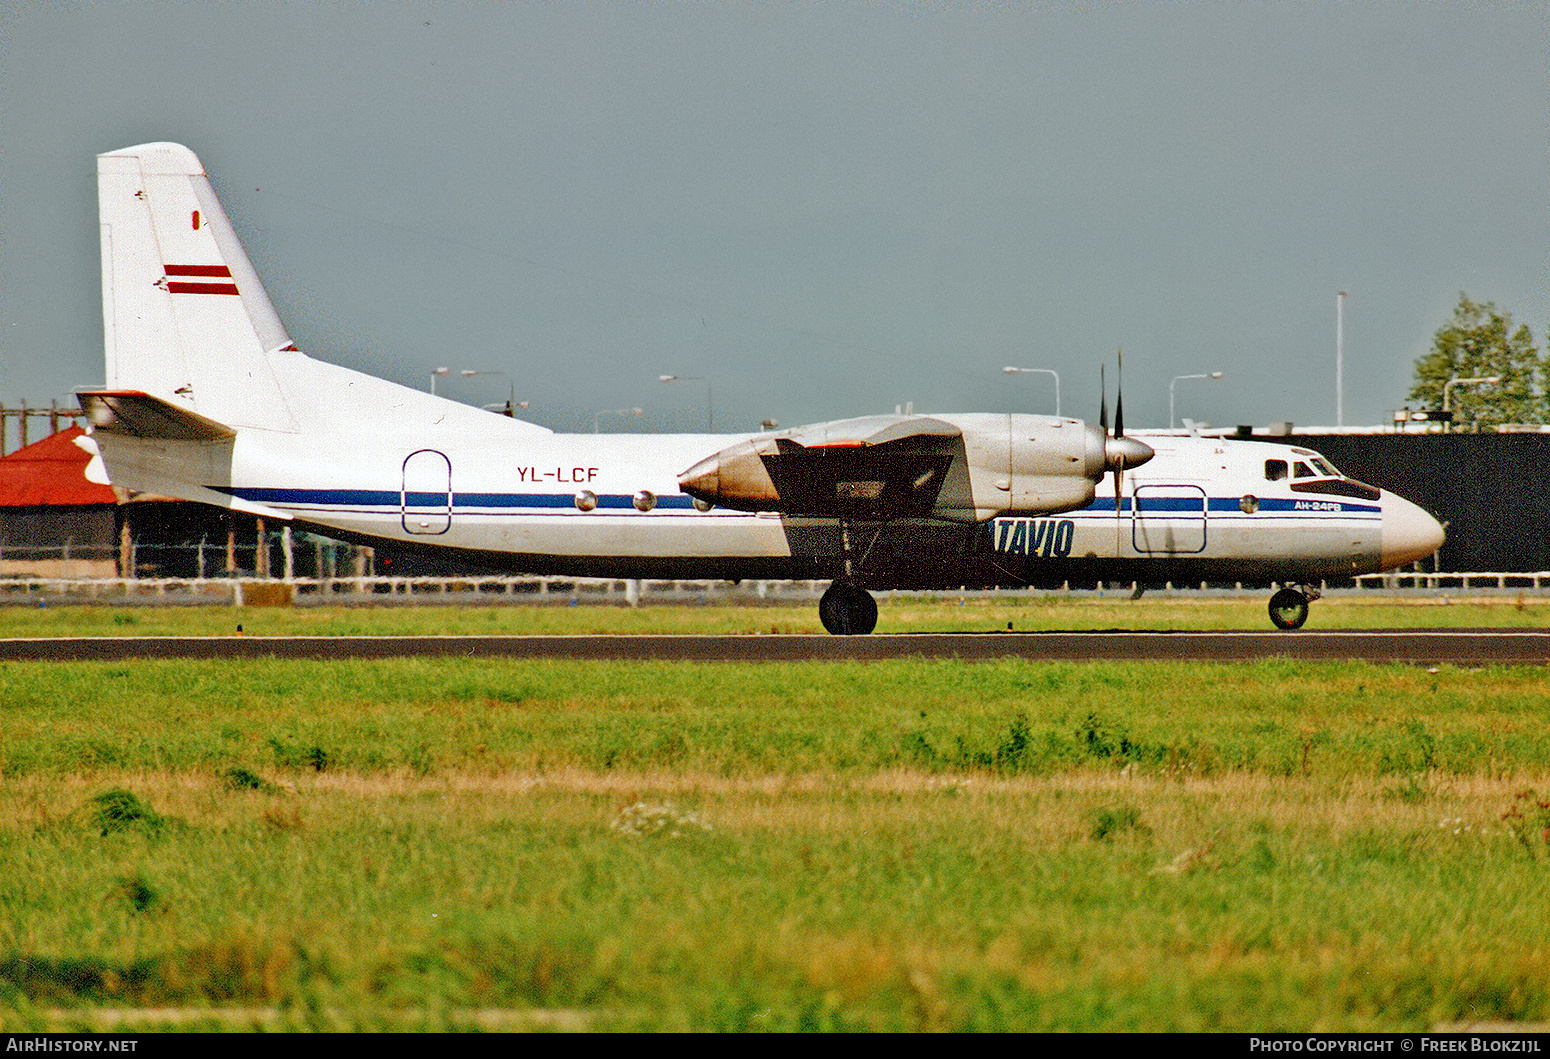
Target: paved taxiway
1421 647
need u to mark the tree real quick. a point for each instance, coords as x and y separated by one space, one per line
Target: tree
1480 341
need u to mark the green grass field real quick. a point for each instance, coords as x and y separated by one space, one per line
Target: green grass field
897 845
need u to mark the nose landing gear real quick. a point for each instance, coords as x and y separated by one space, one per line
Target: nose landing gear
847 609
1289 607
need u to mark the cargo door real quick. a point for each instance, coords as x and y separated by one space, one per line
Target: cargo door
1169 519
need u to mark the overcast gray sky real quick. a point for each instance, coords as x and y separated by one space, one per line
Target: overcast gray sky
825 209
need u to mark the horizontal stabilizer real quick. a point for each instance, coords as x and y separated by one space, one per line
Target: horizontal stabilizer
144 416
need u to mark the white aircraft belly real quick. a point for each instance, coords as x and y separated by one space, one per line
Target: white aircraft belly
583 534
665 535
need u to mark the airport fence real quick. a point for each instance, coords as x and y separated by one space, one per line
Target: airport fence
368 590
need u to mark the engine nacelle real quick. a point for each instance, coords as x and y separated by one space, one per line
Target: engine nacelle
1023 464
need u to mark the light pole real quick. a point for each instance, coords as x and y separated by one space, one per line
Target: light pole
1176 378
1025 371
443 372
1491 380
614 412
694 378
511 402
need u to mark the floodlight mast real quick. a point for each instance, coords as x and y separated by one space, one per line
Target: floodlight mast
1205 375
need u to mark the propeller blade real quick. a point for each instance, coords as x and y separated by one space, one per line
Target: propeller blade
1119 398
1103 401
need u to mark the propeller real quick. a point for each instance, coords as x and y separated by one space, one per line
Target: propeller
1119 395
1103 402
1119 427
1119 451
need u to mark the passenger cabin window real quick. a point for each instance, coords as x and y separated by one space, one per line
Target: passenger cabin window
1275 470
1303 470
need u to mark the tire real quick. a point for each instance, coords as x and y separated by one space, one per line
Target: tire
1288 609
847 610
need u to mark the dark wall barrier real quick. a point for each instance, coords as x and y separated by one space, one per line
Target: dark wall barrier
1491 491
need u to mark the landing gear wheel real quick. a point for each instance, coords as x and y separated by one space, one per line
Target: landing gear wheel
1288 609
847 610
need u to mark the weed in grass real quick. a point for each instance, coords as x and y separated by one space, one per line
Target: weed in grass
230 967
1527 819
420 759
289 755
72 979
1110 822
119 810
1011 751
138 892
1107 742
1261 857
241 779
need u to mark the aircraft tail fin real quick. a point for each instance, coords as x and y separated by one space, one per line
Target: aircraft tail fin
185 317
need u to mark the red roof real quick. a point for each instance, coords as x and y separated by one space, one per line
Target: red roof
51 471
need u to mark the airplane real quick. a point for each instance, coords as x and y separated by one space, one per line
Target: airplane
207 399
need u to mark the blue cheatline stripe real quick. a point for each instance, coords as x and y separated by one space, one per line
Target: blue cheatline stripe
1192 505
1279 504
333 497
620 501
392 498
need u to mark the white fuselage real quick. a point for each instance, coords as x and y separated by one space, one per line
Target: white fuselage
506 494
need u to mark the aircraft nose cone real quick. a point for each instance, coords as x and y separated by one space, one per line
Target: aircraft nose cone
1409 533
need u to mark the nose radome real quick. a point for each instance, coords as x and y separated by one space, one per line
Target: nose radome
1409 533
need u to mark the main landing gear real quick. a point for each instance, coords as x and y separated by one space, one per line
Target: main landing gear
1289 607
847 609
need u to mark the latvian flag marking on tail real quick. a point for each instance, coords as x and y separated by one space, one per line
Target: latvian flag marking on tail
218 281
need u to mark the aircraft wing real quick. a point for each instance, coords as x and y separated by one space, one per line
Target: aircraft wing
869 430
874 467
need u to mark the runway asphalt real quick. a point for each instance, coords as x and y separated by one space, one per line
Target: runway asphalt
1420 647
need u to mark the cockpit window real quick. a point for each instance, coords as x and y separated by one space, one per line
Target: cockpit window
1303 470
1325 467
1275 470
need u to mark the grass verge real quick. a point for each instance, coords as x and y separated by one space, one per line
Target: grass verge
899 845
